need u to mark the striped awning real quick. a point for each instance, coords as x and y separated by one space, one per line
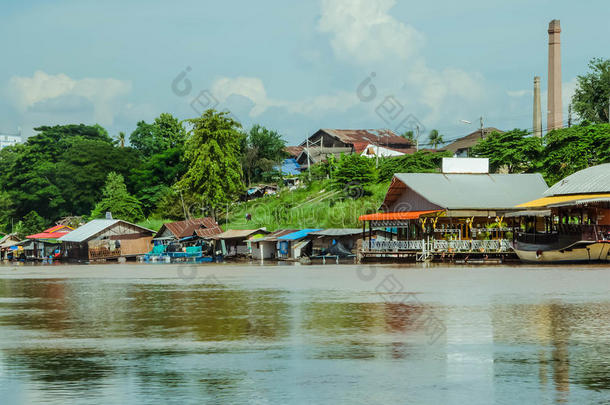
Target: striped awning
557 199
393 216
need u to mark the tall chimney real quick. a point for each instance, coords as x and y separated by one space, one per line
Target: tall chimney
554 115
537 109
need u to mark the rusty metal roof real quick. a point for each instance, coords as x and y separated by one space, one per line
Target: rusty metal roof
469 140
182 229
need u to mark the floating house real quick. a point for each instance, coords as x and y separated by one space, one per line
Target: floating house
190 228
6 244
102 239
461 209
234 242
334 241
570 223
296 244
46 243
267 246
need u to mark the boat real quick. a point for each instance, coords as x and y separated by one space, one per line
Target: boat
571 224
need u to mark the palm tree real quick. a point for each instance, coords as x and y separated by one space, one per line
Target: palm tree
122 139
435 138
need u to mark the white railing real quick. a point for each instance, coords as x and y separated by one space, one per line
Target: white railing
393 245
499 245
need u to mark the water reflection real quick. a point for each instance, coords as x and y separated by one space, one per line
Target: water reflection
161 341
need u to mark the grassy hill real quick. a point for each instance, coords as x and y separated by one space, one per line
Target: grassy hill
319 205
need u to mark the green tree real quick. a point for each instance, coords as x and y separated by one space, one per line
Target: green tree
513 151
408 135
419 162
569 150
354 169
263 149
212 151
30 224
120 141
117 200
6 211
592 93
435 138
164 133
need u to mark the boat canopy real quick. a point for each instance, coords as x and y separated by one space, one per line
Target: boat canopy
559 199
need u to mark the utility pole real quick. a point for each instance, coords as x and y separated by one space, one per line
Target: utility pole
417 138
308 160
481 120
569 115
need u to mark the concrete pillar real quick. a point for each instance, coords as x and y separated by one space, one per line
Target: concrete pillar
554 115
537 109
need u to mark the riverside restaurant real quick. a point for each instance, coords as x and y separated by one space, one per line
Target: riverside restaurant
459 213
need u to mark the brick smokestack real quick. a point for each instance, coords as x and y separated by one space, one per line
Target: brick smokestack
537 109
554 114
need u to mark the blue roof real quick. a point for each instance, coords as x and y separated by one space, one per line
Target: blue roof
298 234
289 166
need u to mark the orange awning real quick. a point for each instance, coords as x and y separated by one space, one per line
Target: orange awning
389 216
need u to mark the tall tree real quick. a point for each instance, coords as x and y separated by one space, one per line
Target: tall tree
435 138
164 133
263 150
30 224
117 200
212 151
514 151
592 95
569 150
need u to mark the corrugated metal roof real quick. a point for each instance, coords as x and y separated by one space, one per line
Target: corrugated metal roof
273 236
181 229
395 216
473 191
298 234
594 179
93 227
338 232
237 233
559 199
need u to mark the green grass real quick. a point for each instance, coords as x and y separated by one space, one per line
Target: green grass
153 223
317 206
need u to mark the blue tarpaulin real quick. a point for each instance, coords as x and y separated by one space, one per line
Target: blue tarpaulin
298 234
289 166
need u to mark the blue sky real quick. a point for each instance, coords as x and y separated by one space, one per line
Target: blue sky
291 66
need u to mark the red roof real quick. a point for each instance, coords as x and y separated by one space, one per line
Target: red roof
201 226
53 232
388 216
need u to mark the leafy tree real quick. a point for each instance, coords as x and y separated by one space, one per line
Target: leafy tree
435 138
592 93
164 133
212 151
419 162
157 174
30 224
569 150
354 169
120 141
6 211
263 149
513 151
117 200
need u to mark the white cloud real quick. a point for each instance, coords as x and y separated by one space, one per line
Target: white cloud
41 88
362 30
253 89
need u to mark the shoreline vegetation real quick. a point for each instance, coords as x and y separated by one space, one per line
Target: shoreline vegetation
169 170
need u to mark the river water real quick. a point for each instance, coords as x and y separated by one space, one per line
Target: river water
346 334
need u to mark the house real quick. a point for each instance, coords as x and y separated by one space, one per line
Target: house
461 147
194 227
260 191
45 243
101 239
295 244
453 205
267 246
234 242
335 142
6 243
324 240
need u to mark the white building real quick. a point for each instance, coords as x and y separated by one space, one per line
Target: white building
9 139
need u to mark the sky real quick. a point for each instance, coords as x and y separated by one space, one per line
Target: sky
291 66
